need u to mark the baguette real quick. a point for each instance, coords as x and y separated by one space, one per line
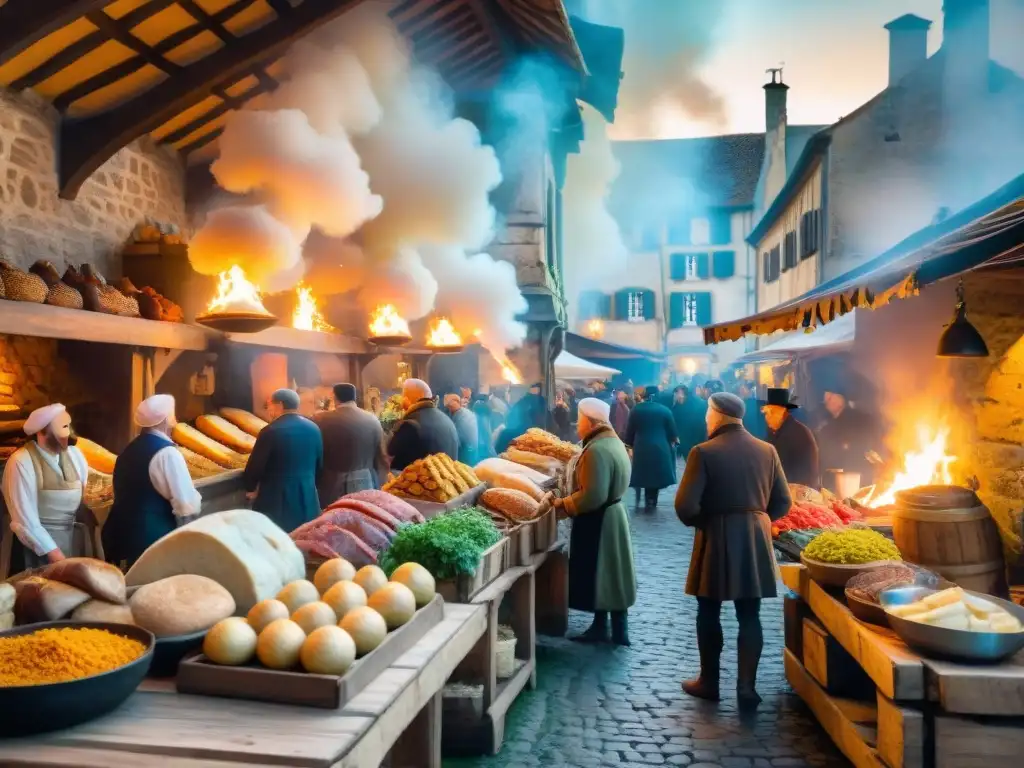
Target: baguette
245 421
96 456
226 433
194 440
199 466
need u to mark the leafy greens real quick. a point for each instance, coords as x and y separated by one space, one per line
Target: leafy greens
446 545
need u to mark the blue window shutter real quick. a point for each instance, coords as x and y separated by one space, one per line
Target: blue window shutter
605 307
703 309
721 228
703 266
620 310
594 304
677 266
649 305
723 264
675 310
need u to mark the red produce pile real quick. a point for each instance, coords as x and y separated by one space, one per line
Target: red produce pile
846 513
805 515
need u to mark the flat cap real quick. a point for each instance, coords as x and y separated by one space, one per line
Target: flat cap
287 398
727 404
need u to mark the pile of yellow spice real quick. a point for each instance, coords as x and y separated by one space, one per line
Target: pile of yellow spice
853 546
60 655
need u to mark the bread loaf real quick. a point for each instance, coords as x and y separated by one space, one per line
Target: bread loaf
181 605
194 440
101 580
226 433
515 505
44 600
96 456
245 421
199 466
101 610
241 550
7 595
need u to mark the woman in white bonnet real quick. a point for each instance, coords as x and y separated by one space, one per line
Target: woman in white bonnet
602 579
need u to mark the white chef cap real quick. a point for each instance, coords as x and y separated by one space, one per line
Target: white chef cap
40 418
594 409
154 410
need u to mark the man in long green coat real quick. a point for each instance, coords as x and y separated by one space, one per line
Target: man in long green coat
281 475
602 579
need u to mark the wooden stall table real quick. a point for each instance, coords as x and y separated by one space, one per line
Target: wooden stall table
397 715
922 713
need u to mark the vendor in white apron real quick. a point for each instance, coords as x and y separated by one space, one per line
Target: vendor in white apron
43 484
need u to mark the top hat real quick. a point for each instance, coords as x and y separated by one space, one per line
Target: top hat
778 396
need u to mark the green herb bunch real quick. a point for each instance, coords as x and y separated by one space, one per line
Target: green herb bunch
446 545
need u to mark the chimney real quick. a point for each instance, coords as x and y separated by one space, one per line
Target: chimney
775 101
908 45
965 37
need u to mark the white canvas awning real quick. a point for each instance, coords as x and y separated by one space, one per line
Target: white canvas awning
824 339
568 366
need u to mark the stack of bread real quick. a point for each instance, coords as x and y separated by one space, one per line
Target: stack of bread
436 478
218 442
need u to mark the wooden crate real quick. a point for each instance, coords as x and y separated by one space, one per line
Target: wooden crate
198 675
463 588
520 545
545 531
831 666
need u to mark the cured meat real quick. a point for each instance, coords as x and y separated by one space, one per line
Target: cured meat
371 510
342 517
312 549
342 542
394 506
369 531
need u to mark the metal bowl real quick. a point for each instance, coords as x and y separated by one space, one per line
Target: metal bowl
865 610
953 644
836 575
237 322
29 709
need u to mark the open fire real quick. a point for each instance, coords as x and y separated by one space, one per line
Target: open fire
307 315
928 465
238 306
595 328
442 334
510 373
388 327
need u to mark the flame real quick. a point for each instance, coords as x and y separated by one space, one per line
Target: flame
595 328
509 372
307 315
443 334
236 294
385 321
929 465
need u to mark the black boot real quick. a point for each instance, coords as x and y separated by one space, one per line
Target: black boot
636 503
709 645
751 640
598 632
620 628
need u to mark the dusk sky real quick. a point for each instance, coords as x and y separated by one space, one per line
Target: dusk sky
835 55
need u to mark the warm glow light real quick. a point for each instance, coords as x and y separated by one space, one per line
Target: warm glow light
509 372
928 465
236 294
443 334
307 315
688 365
385 321
595 328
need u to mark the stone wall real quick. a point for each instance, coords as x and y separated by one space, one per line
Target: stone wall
140 182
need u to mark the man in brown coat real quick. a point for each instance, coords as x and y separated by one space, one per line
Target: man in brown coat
732 489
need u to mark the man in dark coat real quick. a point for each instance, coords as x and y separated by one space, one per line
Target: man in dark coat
651 433
753 419
847 436
732 489
465 425
689 413
353 439
619 414
423 431
282 472
794 442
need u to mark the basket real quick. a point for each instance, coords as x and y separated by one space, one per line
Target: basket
63 295
22 286
505 653
114 302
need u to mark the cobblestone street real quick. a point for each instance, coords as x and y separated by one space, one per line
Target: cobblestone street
599 706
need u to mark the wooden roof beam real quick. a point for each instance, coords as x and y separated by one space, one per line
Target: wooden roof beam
85 144
23 23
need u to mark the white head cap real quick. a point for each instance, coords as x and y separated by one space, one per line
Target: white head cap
416 389
40 418
594 409
154 411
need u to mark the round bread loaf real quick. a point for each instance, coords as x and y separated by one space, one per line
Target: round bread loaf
181 605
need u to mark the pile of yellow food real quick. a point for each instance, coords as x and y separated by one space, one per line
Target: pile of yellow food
96 456
323 626
60 655
435 478
955 609
214 439
545 444
853 546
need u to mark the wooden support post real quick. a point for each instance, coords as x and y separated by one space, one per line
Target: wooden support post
420 745
552 595
143 384
524 622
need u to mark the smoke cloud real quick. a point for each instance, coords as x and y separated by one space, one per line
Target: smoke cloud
667 42
359 157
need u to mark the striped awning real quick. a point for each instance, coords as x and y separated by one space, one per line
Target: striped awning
176 68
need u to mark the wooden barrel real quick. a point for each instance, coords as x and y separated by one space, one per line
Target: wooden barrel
948 530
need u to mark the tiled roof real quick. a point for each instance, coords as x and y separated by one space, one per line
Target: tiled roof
717 171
